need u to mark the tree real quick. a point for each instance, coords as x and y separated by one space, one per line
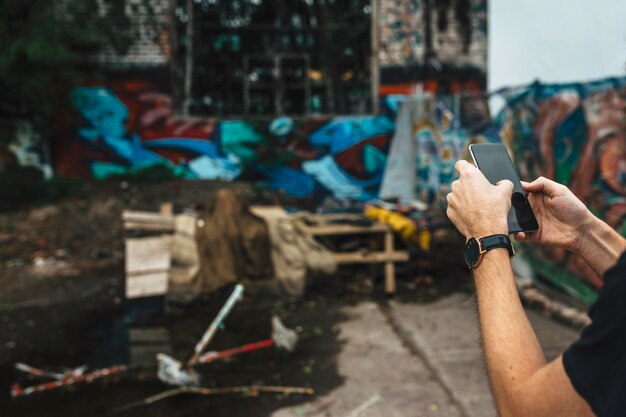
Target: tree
48 46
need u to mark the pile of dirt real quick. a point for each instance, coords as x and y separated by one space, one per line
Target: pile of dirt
81 235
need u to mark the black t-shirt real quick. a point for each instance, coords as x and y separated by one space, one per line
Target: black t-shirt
596 363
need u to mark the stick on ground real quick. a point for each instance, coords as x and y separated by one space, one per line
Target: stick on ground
250 390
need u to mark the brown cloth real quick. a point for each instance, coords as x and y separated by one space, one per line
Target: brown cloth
233 244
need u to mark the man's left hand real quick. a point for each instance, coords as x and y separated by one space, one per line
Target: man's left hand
475 206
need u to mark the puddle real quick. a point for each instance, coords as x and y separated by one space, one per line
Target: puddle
69 335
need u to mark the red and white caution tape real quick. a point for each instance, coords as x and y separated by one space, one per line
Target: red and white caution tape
71 379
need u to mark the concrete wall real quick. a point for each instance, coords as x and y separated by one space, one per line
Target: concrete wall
455 67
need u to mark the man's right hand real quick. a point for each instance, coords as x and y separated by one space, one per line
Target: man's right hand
562 217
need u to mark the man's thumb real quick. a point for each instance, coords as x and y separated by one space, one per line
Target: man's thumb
505 185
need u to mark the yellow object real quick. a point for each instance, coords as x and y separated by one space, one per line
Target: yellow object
398 223
424 238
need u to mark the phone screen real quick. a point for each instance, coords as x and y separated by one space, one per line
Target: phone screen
494 162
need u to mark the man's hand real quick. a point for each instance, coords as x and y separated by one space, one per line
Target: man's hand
475 206
565 222
563 219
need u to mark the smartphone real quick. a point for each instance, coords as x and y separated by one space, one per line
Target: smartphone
494 162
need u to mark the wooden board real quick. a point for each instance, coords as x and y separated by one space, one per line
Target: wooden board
147 285
370 257
149 221
325 218
342 229
147 254
148 262
149 227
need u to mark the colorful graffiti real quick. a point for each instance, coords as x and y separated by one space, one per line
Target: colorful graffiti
21 147
574 134
130 128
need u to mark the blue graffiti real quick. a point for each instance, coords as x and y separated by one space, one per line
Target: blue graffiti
344 132
107 115
339 183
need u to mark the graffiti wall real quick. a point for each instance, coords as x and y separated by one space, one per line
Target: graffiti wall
130 129
574 134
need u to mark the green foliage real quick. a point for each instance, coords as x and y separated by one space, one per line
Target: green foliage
46 48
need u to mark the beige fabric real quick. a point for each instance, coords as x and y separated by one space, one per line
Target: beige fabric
184 286
294 254
185 249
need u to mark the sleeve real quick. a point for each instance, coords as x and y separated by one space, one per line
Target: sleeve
596 363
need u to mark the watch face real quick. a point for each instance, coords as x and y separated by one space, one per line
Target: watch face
472 252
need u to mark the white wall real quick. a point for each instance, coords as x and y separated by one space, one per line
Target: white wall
555 41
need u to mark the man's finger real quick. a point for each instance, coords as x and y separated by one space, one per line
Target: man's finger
542 185
505 185
520 237
463 167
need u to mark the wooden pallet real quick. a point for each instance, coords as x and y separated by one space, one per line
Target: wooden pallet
322 225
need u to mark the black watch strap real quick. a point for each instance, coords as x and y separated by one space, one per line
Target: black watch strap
497 241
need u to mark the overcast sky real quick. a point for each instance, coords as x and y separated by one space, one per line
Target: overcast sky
555 40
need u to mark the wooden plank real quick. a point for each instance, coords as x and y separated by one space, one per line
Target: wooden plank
149 227
147 254
146 217
390 272
342 229
325 218
268 211
147 285
167 209
370 257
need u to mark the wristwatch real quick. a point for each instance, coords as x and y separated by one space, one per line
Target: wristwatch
476 247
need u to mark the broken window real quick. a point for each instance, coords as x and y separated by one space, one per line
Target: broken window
270 57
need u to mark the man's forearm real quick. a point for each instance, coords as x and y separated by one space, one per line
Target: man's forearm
601 246
512 352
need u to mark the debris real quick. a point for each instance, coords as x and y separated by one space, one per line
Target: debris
235 296
282 337
50 266
173 372
223 354
233 245
348 225
75 376
252 390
